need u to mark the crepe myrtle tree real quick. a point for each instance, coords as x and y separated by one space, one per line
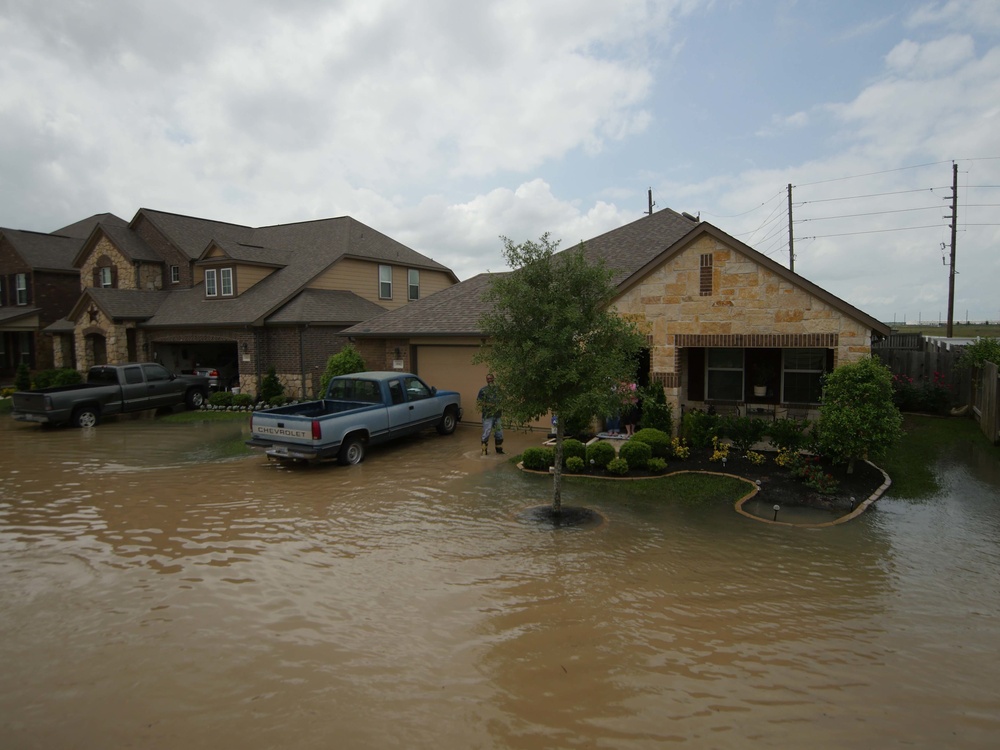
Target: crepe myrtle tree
857 418
553 341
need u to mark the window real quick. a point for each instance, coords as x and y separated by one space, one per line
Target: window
724 374
226 281
413 283
21 288
802 375
396 392
133 375
705 282
104 277
415 389
175 274
155 373
385 282
210 290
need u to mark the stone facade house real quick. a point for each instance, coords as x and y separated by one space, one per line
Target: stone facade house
186 292
727 328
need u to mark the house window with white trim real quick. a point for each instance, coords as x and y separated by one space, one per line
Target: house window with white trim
104 277
413 284
175 274
210 288
226 281
724 374
802 375
21 288
385 282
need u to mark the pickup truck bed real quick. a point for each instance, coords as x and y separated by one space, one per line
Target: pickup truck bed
359 410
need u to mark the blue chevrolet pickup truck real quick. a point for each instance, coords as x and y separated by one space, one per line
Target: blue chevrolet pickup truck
358 410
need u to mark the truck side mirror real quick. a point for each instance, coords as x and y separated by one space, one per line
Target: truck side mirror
434 390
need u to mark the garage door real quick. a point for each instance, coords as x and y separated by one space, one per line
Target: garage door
450 368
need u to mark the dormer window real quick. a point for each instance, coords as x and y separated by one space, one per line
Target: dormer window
175 274
219 282
104 277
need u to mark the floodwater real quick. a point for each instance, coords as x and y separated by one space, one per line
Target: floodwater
160 589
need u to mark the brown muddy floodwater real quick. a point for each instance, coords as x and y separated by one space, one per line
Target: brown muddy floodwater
160 589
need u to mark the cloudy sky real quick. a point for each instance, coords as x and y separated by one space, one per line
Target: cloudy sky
447 123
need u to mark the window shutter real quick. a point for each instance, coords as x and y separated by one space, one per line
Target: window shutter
114 277
27 292
696 374
97 277
829 360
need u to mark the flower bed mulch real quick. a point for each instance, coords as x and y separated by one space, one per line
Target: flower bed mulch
777 482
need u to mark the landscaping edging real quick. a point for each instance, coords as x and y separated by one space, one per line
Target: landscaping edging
858 509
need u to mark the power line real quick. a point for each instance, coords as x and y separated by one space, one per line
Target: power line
870 213
873 231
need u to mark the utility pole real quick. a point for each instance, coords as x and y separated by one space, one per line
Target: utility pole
791 234
954 232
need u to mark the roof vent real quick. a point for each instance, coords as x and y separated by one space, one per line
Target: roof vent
686 215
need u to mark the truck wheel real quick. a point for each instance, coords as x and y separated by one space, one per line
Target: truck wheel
448 422
195 399
86 416
351 452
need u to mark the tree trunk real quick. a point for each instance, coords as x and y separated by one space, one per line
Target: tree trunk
850 465
557 469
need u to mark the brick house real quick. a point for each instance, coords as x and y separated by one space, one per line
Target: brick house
727 327
38 286
186 291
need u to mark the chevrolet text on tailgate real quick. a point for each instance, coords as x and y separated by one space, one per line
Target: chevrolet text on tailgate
358 410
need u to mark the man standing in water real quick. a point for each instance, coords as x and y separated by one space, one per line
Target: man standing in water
489 405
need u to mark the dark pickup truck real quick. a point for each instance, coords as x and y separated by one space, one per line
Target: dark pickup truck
110 389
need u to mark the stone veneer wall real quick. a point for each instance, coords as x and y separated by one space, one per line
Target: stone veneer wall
104 249
750 306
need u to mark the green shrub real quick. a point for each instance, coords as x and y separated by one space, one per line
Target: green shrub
344 362
271 388
788 434
599 454
58 377
279 400
656 465
699 427
744 431
538 459
241 399
574 464
573 448
657 440
656 412
617 467
636 453
221 398
22 379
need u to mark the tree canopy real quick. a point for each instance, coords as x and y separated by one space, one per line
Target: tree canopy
553 341
858 419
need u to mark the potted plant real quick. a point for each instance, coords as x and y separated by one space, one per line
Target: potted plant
763 373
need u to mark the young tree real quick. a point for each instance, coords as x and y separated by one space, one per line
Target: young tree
553 342
858 418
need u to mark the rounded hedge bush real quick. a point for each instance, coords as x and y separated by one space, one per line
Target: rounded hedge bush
657 440
242 399
617 467
538 459
636 453
221 398
573 448
599 454
574 464
656 465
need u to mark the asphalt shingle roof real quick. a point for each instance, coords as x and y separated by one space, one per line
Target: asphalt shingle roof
47 252
328 306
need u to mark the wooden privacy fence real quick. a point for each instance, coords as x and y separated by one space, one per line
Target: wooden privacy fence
920 362
988 405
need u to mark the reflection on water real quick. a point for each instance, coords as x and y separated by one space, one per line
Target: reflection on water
160 591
